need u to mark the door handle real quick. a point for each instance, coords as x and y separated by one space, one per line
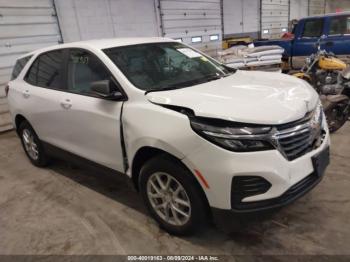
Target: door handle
26 93
66 104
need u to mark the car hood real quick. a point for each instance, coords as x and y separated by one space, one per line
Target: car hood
246 96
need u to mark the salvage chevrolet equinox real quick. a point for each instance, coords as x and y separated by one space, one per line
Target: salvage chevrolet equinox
195 137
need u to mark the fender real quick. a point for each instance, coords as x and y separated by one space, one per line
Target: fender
122 141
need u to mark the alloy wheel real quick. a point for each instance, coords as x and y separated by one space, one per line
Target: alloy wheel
29 144
169 199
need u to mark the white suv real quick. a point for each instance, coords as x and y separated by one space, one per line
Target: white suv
196 137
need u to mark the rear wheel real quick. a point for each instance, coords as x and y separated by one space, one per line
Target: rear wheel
171 196
32 145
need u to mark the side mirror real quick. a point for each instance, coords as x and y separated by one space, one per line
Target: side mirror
104 89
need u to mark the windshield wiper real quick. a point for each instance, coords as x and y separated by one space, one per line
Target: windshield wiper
213 77
168 88
229 69
187 83
176 86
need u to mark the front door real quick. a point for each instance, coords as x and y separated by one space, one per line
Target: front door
311 31
90 126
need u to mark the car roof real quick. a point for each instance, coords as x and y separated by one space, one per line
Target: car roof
327 15
103 43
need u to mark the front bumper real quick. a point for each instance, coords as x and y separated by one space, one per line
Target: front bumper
224 217
293 193
289 179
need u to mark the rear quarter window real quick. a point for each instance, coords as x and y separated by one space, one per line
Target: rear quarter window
20 64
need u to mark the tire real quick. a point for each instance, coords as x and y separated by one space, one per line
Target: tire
29 141
165 168
335 119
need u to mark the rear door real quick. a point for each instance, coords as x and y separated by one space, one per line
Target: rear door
338 35
89 126
40 93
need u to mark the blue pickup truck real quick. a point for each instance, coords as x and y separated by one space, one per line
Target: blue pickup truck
332 29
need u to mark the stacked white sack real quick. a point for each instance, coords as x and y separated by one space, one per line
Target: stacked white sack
243 56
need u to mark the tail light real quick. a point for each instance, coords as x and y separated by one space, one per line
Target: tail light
7 88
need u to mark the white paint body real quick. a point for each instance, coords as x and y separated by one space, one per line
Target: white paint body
90 127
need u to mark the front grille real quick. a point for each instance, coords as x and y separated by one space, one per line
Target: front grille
246 186
294 192
296 139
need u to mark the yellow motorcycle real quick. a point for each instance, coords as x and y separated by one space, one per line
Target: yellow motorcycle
331 79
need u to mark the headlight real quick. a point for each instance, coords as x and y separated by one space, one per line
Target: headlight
317 116
235 137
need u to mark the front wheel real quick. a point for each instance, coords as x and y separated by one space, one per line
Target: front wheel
170 193
337 114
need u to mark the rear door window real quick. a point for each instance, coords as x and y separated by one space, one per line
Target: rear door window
47 70
313 28
340 25
20 63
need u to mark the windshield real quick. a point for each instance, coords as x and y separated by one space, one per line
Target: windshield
164 66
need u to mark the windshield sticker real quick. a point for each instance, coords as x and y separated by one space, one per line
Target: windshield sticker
80 59
203 58
189 52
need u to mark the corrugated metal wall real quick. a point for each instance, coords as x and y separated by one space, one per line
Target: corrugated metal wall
94 19
25 25
241 17
233 17
251 14
274 18
275 14
298 9
317 7
333 6
193 20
